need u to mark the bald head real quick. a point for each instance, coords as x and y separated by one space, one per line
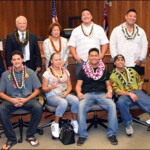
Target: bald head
21 23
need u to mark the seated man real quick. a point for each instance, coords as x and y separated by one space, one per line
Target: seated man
127 85
18 88
93 87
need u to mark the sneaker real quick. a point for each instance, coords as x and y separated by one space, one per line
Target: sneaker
148 121
55 130
113 140
74 123
129 129
80 141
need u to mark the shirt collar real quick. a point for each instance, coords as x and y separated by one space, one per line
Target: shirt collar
20 33
90 26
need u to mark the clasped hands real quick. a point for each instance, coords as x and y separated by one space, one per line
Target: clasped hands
19 102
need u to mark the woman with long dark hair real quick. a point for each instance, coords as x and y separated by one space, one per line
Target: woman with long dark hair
56 84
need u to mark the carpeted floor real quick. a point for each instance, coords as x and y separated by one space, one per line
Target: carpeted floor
96 140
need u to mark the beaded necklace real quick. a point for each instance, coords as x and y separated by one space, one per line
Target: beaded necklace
57 51
13 77
56 74
130 76
130 36
89 71
60 79
18 40
84 32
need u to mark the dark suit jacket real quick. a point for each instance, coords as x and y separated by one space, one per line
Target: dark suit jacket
12 45
2 69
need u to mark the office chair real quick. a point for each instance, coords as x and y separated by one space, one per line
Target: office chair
95 120
20 122
20 112
51 110
134 118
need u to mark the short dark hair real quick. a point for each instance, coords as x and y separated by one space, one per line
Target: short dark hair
117 56
17 52
52 25
86 9
131 10
93 50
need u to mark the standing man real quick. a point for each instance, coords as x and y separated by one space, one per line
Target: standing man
127 85
25 42
93 87
85 37
129 40
2 68
18 88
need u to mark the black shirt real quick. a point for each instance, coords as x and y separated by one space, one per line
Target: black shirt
90 85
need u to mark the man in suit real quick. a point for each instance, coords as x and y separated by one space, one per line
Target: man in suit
2 68
25 42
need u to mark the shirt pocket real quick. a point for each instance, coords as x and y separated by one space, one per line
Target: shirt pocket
137 39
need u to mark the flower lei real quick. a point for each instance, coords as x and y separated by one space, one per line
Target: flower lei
14 80
130 76
57 51
59 77
91 32
127 35
89 71
56 74
18 40
61 81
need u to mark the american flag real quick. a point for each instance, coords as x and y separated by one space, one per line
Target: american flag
105 21
54 15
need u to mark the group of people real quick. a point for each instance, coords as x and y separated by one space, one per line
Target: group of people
19 85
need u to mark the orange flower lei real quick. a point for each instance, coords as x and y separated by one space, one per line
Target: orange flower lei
57 51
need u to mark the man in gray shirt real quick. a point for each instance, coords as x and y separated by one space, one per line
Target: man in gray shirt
18 88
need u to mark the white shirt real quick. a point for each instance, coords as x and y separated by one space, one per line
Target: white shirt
27 51
48 50
84 43
60 85
132 50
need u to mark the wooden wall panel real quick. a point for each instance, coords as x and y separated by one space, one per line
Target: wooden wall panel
38 13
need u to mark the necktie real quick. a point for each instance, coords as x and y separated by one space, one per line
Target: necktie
22 39
23 47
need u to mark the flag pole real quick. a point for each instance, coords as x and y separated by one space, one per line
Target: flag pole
54 14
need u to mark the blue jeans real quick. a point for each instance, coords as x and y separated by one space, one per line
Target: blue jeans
124 103
78 68
6 108
62 104
86 104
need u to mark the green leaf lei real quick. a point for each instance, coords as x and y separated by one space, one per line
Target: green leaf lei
91 32
18 40
134 33
121 77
